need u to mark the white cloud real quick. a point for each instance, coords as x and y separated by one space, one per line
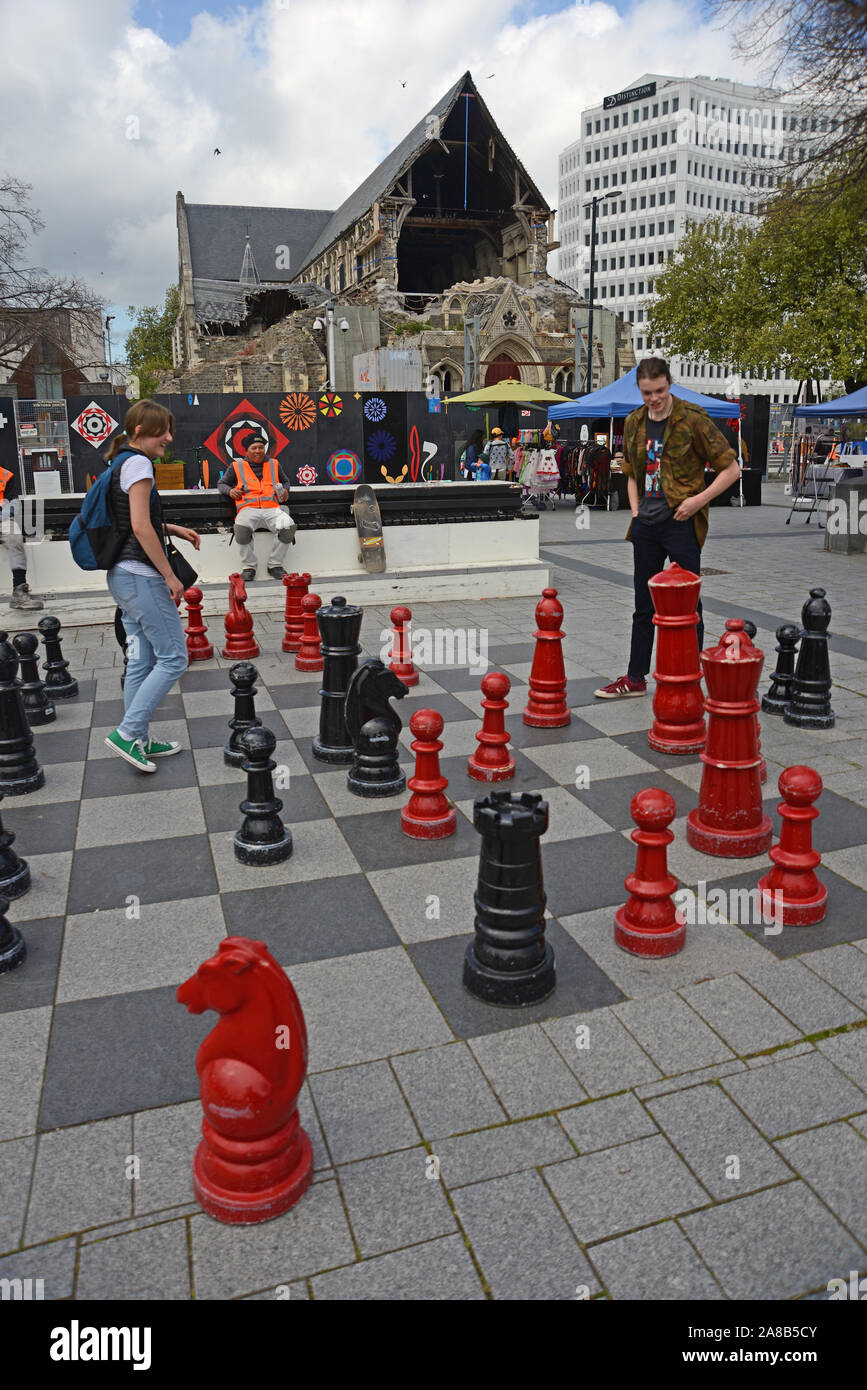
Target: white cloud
302 98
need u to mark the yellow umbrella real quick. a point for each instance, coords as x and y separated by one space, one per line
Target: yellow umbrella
506 392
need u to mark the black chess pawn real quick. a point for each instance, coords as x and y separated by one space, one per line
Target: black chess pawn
58 682
19 770
12 947
339 628
37 706
374 727
509 961
263 838
14 871
780 691
810 704
243 676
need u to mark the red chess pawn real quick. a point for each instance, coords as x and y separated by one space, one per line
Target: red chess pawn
729 820
649 924
401 657
428 815
492 761
254 1161
296 586
791 892
546 707
198 646
678 702
240 642
309 655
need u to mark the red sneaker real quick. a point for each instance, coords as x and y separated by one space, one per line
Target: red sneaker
622 688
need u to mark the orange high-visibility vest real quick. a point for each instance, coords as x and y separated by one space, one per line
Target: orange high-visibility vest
255 493
5 475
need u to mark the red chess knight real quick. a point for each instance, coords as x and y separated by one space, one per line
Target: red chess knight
254 1161
241 645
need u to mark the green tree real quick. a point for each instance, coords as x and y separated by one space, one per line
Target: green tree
149 342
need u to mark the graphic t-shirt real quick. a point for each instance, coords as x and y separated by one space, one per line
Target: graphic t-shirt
653 507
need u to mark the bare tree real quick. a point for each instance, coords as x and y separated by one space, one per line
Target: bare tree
36 307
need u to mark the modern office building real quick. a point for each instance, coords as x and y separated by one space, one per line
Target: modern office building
659 154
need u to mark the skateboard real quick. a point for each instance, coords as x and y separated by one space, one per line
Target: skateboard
368 524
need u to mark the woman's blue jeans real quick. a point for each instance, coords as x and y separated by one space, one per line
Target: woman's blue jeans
156 649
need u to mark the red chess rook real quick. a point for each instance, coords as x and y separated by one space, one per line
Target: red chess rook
401 656
546 707
241 645
492 761
428 815
309 655
678 702
198 646
791 892
254 1161
649 924
296 586
730 821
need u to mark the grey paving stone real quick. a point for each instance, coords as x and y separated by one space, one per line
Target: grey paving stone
801 995
859 1122
32 984
494 1153
609 1059
233 1260
138 1223
80 1179
796 1094
149 1263
49 879
780 1054
343 999
104 878
833 1161
23 1044
848 1051
438 1271
708 1131
672 1033
363 1112
603 1194
392 1202
773 1245
313 920
411 895
688 1079
16 1166
310 1121
54 1264
656 1263
527 1072
739 1015
523 1245
845 968
165 1142
447 1091
603 1123
316 843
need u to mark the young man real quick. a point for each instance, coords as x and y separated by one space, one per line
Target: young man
257 486
667 442
12 539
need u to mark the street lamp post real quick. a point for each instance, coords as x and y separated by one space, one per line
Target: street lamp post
593 205
328 325
108 324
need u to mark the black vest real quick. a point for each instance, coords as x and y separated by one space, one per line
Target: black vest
131 550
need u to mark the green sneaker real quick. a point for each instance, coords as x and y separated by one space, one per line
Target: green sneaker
132 750
158 748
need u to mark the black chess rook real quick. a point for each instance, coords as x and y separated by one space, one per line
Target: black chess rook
339 628
243 676
263 838
58 682
509 962
780 690
12 946
374 728
810 704
19 771
14 871
37 706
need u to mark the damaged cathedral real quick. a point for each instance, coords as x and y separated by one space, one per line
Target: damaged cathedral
442 250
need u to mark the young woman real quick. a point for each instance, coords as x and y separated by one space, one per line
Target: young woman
143 585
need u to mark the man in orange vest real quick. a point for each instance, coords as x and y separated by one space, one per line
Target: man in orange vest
11 537
257 486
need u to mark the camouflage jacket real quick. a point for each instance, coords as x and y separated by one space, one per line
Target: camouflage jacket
691 442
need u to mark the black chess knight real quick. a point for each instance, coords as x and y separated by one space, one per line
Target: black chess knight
374 727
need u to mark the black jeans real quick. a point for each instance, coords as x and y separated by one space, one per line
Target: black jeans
651 546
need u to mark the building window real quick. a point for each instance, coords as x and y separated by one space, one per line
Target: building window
672 166
675 105
607 124
653 142
641 287
644 142
622 261
635 114
596 155
644 171
642 202
662 167
635 147
596 182
589 127
616 122
645 113
588 157
623 200
631 315
597 127
632 260
641 230
632 287
653 171
587 241
664 138
665 108
359 267
656 109
620 289
641 258
633 176
588 184
605 152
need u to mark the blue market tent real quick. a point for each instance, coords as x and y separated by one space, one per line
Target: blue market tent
621 397
853 404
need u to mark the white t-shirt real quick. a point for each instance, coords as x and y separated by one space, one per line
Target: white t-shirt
132 470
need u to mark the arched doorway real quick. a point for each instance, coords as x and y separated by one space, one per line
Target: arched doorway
501 368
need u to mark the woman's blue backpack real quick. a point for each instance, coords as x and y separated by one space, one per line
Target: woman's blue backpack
93 536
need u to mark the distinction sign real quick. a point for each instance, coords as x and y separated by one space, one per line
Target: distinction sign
633 94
